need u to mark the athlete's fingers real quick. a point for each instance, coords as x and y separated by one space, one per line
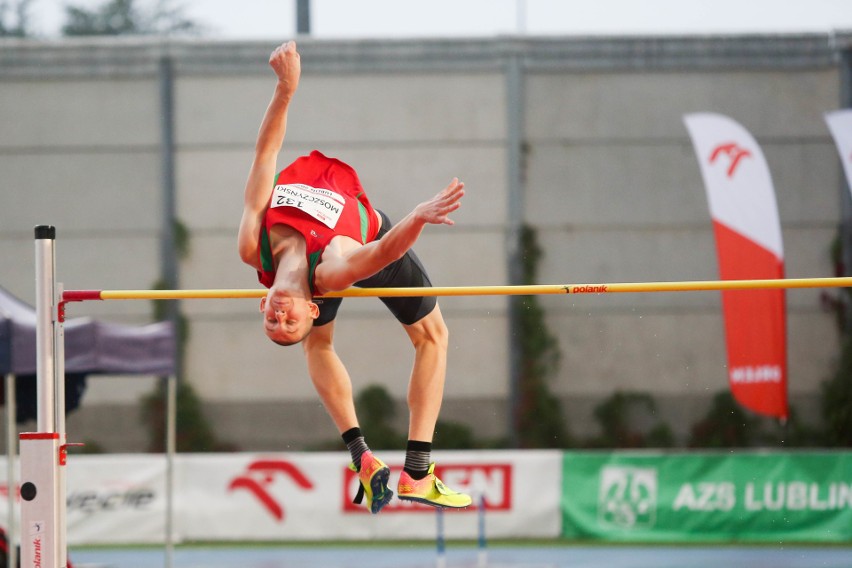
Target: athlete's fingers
454 186
453 197
444 218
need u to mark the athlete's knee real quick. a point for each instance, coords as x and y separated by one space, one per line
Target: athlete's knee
430 331
321 337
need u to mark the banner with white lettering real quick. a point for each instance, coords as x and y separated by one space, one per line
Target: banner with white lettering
300 496
742 204
840 124
768 496
614 496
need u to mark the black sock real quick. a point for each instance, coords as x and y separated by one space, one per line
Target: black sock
354 441
418 456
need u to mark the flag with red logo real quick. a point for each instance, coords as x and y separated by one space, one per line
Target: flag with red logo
749 246
840 124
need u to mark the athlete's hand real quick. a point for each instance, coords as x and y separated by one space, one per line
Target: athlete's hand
287 65
436 211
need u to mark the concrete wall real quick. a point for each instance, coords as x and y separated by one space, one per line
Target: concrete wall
610 183
611 150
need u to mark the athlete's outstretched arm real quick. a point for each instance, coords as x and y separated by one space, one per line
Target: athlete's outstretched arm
360 263
287 66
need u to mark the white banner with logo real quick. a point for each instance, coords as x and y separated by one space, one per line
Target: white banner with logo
840 124
300 496
747 228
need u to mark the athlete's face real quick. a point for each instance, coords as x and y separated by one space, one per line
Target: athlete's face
287 319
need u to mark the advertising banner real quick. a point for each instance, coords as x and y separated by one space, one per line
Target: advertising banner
121 499
840 124
742 204
772 497
115 496
309 496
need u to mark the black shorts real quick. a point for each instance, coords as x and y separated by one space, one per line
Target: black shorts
407 272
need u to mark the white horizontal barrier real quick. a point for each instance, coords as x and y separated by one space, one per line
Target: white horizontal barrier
120 499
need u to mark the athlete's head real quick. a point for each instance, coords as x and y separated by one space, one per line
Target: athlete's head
287 319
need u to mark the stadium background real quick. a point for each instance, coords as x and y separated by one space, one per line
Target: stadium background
582 140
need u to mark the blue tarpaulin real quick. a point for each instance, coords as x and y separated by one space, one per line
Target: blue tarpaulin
91 347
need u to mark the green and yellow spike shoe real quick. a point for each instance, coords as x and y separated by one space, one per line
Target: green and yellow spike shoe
430 491
374 476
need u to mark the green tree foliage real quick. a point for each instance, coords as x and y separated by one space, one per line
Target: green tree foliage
17 26
181 244
726 425
125 17
837 399
539 416
795 433
837 389
616 416
376 412
193 431
451 435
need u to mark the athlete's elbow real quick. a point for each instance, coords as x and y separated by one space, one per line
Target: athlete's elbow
248 254
335 285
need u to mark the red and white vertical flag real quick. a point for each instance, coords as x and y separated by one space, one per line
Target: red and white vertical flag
748 244
840 124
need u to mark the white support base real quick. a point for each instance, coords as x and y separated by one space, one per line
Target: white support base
40 515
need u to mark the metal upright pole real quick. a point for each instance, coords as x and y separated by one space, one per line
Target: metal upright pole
45 351
168 240
59 411
42 452
11 483
59 364
171 447
169 265
845 59
515 158
303 17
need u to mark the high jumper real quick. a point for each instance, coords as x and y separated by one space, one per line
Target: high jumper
310 229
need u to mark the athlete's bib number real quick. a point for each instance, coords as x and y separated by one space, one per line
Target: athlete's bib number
322 204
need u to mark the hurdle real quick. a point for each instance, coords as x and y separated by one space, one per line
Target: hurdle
481 540
440 540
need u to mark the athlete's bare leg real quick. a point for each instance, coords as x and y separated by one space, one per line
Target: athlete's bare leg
331 379
426 387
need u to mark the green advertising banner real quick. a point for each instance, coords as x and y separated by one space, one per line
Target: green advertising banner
754 496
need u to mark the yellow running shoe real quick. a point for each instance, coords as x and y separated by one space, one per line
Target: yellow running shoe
373 475
430 491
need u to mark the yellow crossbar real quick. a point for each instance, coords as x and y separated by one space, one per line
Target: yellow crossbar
530 290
